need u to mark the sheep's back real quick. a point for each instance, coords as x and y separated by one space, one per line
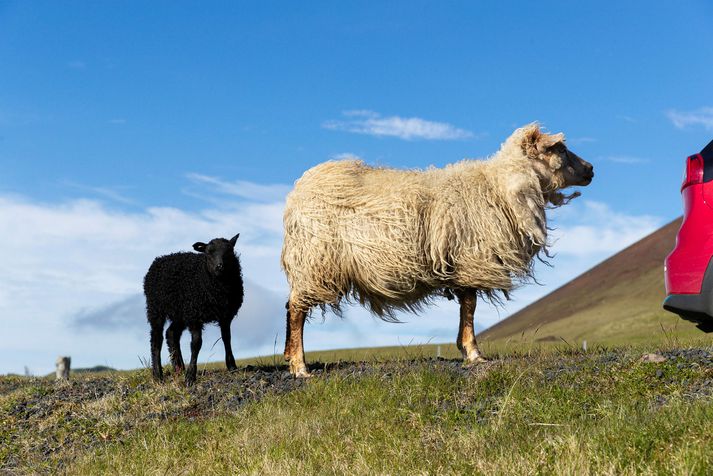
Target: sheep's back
179 286
351 227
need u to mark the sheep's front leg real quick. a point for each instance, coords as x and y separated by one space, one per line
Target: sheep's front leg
466 333
294 346
196 343
225 335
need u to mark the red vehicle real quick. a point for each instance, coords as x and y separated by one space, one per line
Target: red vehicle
688 270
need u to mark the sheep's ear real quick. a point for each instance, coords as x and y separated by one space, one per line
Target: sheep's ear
234 239
199 246
530 137
546 141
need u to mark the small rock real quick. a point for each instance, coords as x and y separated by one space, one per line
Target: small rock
655 358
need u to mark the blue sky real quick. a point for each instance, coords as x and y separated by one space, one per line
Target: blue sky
129 130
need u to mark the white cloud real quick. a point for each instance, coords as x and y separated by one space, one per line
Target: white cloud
72 276
683 119
593 229
407 128
65 260
117 120
585 233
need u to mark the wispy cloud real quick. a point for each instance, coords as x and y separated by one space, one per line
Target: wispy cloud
77 64
111 193
117 120
344 156
699 117
625 159
626 118
407 128
241 188
580 140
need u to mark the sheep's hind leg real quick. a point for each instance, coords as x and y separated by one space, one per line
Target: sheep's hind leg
466 333
173 339
196 343
225 335
294 347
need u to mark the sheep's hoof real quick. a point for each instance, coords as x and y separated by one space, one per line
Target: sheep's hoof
303 374
474 360
299 371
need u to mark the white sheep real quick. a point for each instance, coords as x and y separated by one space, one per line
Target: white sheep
392 239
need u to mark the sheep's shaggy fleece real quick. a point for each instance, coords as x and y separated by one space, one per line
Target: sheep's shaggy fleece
391 239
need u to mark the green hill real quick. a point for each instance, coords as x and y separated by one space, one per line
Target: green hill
616 302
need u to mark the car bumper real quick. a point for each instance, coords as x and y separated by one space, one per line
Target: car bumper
697 308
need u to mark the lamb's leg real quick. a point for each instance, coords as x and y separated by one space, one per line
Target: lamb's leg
173 338
156 343
196 343
225 335
294 347
466 334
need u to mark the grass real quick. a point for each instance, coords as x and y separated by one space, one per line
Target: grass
532 410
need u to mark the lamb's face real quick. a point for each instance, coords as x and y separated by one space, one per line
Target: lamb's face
220 254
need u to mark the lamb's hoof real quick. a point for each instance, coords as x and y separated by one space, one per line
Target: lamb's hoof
190 380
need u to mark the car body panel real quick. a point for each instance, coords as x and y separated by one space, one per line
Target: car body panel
688 269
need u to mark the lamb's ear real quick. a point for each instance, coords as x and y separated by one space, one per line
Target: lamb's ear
234 239
546 141
199 246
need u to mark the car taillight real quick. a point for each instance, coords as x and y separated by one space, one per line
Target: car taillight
694 171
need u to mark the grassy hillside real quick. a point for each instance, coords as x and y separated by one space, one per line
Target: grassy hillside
544 411
616 302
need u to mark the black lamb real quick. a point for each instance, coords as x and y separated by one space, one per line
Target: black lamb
190 290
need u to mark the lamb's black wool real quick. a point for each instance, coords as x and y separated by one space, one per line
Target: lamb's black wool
190 290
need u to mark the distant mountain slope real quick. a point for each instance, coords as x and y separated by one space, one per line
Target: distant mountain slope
618 300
